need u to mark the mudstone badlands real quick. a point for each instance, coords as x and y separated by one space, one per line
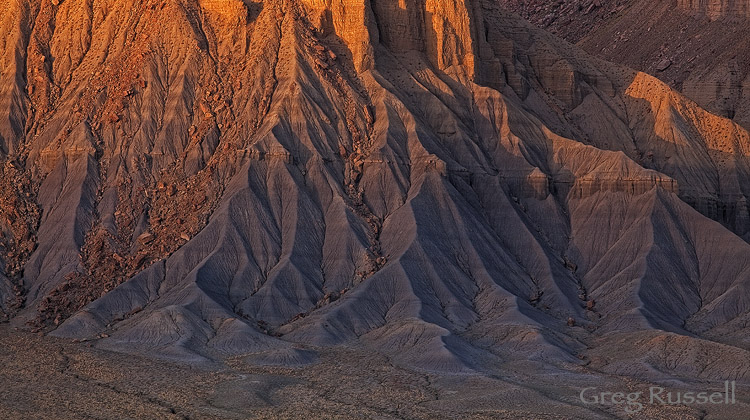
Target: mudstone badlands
370 209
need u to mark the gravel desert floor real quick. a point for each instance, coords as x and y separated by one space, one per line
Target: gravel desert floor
45 377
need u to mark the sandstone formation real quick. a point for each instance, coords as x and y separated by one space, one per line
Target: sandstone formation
698 47
707 51
439 181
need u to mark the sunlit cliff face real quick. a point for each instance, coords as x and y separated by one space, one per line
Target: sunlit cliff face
442 30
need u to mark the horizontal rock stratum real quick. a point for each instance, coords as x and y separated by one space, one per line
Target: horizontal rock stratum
437 180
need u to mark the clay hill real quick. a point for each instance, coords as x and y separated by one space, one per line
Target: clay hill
439 181
698 47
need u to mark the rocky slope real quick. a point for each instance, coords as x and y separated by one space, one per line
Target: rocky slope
439 181
717 9
704 54
699 47
572 20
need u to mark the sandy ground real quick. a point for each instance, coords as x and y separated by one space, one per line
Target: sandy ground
44 377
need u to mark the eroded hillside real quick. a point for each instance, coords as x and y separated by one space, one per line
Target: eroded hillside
439 181
697 47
